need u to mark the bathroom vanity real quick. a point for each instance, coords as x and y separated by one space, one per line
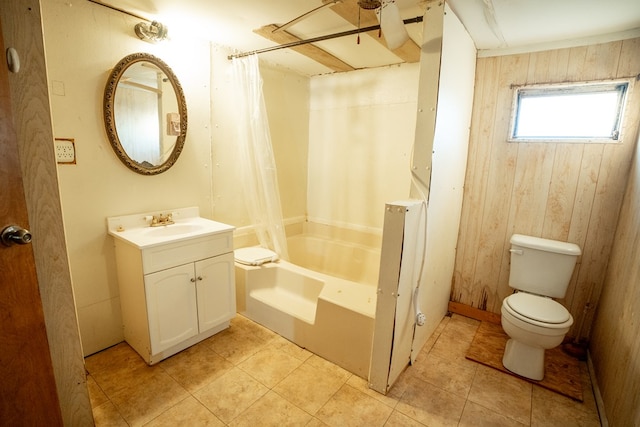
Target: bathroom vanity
176 279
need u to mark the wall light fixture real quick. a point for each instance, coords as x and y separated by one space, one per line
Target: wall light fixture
154 32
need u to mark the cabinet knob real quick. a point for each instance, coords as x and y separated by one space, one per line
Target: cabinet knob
199 277
192 280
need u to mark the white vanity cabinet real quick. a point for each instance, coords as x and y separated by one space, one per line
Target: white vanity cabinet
188 300
174 291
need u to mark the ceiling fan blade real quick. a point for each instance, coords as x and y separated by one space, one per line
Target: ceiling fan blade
392 25
325 3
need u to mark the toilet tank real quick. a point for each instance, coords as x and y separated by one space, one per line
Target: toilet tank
541 266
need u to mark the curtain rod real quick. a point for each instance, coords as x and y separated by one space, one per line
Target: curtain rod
319 39
100 3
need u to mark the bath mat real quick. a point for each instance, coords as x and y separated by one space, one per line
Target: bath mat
562 372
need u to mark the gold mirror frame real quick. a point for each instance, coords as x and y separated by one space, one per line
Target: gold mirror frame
109 113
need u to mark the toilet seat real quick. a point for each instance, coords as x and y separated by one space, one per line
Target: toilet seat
538 310
254 255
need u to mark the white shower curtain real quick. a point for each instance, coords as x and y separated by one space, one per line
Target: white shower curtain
259 175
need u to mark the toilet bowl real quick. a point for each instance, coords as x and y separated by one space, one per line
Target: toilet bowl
534 324
540 270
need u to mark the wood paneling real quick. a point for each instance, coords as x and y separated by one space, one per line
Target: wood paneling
615 347
562 191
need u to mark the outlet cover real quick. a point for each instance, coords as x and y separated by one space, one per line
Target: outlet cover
65 151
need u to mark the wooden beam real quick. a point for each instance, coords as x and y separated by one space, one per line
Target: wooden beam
348 10
473 313
308 50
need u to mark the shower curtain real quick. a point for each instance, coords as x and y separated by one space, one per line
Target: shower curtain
259 177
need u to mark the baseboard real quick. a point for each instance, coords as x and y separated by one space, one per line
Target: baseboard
473 312
596 392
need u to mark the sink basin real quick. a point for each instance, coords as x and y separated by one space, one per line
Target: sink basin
174 229
135 229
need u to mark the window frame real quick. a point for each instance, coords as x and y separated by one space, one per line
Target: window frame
571 87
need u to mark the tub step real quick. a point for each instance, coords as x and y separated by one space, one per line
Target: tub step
288 302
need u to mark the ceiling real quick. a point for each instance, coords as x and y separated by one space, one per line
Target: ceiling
496 26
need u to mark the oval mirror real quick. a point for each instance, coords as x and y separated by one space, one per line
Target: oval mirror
145 114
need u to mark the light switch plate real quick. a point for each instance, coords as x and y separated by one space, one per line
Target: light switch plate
65 151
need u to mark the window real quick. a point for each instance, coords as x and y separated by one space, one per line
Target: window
577 112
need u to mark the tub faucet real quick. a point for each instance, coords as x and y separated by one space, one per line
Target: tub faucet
162 219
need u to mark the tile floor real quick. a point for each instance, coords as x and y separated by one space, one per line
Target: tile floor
249 376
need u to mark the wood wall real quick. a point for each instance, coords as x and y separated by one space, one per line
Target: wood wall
615 347
563 191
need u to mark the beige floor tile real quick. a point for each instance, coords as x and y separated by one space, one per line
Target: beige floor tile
461 327
236 346
120 378
272 410
310 387
117 368
315 423
434 336
284 345
398 419
141 402
322 363
196 367
454 375
362 385
401 384
430 405
457 319
270 366
250 327
117 357
231 394
589 400
502 393
107 415
443 324
475 415
451 346
350 407
96 395
552 409
189 412
309 390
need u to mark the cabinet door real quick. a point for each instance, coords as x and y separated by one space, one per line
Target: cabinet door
216 290
171 305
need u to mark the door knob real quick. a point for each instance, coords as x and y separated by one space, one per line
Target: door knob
15 234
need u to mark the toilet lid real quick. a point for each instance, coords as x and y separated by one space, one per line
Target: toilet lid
538 308
254 255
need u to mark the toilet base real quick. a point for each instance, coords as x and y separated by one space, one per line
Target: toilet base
524 360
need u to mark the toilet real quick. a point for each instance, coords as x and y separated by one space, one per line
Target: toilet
540 270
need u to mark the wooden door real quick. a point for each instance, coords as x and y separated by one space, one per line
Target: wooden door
28 393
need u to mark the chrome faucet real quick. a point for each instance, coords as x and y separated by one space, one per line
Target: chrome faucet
162 219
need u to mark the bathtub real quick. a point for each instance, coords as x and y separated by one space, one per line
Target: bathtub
323 299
